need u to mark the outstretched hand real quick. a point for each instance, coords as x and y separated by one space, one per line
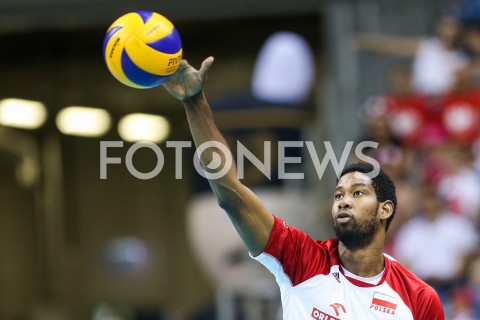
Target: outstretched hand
186 82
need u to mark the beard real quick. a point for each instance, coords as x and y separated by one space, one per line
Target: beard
357 236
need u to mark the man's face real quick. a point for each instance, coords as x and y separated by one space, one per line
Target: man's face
355 210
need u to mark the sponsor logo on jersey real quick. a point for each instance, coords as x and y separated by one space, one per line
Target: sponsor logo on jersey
336 307
336 275
320 315
384 303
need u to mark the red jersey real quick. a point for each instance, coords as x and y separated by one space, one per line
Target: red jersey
314 285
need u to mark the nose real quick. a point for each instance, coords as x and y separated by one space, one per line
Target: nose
345 203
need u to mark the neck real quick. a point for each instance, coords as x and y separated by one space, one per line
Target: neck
365 262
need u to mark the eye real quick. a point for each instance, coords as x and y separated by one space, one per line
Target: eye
357 193
338 196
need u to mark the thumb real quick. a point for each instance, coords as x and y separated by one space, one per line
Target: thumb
205 67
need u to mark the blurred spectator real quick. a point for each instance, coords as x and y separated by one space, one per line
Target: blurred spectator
436 237
414 120
407 197
392 156
436 58
459 185
464 300
406 110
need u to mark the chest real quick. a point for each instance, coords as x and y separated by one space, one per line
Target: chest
330 297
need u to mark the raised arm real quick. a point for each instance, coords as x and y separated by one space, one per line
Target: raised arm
387 44
249 216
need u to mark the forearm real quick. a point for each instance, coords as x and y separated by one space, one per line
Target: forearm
203 130
202 125
249 216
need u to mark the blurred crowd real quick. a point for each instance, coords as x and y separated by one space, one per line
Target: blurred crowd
428 128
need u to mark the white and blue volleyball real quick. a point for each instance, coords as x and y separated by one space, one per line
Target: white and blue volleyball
142 49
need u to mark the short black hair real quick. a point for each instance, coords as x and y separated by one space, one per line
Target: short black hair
382 183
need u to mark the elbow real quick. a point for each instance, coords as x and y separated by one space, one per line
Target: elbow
229 204
230 199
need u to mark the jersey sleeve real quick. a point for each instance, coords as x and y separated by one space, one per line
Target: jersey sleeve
420 298
429 305
293 256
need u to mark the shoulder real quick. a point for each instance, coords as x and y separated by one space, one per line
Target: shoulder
293 254
284 237
422 299
400 274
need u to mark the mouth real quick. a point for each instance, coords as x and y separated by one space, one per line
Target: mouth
343 217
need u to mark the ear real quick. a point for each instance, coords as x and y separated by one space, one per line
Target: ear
386 209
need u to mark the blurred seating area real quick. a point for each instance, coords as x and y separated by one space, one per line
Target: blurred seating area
427 127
